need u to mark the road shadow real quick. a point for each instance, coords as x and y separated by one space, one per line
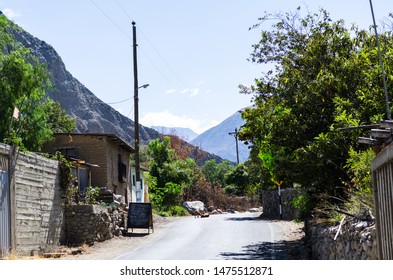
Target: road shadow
242 219
136 234
282 250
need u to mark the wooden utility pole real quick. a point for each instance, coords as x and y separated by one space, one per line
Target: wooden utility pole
136 114
388 113
237 147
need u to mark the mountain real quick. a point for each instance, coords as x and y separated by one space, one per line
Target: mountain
184 133
91 114
218 141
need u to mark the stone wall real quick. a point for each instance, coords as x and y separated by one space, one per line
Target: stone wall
357 240
86 224
270 204
35 201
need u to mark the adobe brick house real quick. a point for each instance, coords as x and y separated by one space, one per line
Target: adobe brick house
110 156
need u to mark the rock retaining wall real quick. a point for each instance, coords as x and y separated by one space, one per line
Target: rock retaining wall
357 240
270 204
86 224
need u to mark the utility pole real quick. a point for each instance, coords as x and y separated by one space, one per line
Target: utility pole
237 147
138 184
388 113
136 114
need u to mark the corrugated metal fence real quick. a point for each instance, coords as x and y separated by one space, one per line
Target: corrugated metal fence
382 179
5 227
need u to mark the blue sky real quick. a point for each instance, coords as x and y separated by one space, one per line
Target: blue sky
192 53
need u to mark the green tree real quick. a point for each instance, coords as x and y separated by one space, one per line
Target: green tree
58 120
215 173
324 77
23 85
168 175
238 179
210 171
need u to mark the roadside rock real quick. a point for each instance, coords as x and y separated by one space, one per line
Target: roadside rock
195 207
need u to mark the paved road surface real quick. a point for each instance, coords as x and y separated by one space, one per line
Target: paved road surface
226 236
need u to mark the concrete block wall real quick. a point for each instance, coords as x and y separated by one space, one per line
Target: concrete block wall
37 215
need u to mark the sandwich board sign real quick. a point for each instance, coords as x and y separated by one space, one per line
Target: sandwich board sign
140 215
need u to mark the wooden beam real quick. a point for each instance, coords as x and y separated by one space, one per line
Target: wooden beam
386 124
381 133
369 141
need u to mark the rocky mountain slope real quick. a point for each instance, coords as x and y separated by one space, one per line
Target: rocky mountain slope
217 140
91 114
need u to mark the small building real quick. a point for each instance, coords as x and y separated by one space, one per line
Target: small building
110 162
141 194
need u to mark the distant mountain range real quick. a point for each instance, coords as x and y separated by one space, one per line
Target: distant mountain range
184 133
218 141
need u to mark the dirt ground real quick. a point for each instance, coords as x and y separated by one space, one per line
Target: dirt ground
290 247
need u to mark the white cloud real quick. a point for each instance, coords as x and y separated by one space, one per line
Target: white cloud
190 92
169 91
10 14
194 92
167 119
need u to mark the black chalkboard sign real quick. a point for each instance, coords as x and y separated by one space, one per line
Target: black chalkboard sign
140 215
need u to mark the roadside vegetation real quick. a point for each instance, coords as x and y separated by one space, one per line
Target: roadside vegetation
323 77
174 178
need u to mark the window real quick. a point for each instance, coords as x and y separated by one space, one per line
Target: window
69 152
122 171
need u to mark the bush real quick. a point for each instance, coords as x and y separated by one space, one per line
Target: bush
303 204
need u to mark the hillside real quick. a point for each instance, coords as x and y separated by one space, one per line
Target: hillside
217 140
186 150
91 114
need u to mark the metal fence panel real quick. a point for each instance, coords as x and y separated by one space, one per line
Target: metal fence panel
5 226
382 179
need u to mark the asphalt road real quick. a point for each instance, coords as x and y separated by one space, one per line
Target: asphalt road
218 237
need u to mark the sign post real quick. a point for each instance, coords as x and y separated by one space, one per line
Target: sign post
140 215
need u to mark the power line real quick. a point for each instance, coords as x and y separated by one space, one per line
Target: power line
117 102
143 52
111 20
126 34
152 46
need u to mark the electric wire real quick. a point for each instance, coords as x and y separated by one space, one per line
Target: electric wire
118 102
161 58
151 45
129 37
142 51
111 20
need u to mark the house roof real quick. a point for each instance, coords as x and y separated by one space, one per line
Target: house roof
112 137
143 168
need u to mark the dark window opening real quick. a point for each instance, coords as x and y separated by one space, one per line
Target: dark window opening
122 171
